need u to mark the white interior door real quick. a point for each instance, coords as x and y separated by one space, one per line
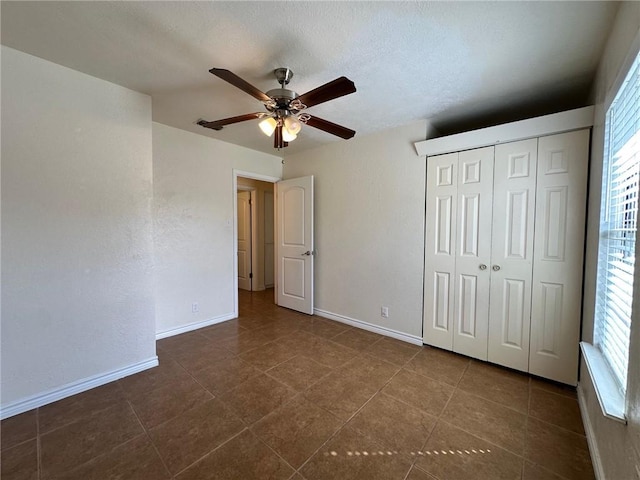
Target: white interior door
244 240
558 255
440 250
473 252
512 253
294 242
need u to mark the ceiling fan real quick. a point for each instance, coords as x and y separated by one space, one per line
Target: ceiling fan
285 108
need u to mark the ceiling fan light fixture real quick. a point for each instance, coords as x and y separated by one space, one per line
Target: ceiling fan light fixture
268 126
287 136
292 124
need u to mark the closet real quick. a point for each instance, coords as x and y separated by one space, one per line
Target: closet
504 247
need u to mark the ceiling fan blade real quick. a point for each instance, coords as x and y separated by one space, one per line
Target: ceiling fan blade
218 124
331 127
236 81
334 89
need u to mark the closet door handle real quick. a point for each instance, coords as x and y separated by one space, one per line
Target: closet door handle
496 268
482 266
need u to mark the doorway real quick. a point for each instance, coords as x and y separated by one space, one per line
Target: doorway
254 231
291 273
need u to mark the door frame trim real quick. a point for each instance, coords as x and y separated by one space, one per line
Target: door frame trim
234 221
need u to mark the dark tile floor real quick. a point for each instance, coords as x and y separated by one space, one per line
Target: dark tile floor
280 395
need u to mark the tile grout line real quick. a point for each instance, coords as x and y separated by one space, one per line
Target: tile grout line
566 430
527 417
78 419
34 438
379 391
213 396
146 432
531 387
210 452
434 424
105 453
350 418
85 417
298 392
439 417
295 470
465 392
526 428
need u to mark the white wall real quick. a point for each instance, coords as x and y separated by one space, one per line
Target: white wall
193 225
618 446
77 296
369 226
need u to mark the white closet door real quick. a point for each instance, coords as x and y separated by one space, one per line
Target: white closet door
440 256
558 255
473 248
512 253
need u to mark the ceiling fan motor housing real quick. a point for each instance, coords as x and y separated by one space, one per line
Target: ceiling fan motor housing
282 97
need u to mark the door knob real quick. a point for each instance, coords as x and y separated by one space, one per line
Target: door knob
307 253
483 266
496 268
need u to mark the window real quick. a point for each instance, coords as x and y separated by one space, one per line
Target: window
618 226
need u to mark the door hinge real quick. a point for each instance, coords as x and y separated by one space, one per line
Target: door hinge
251 275
250 202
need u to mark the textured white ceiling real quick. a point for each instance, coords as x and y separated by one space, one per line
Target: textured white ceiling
453 63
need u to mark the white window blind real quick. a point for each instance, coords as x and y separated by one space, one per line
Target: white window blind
618 225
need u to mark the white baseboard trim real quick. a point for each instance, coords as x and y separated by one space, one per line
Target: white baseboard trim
55 394
194 326
591 438
370 327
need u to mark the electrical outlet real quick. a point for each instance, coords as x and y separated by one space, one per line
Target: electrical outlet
384 312
195 308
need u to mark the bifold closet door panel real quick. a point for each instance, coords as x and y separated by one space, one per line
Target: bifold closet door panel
512 253
558 255
440 256
473 252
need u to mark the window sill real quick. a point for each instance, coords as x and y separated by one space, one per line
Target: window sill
611 400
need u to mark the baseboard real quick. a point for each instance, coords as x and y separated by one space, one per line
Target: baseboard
370 327
55 394
591 438
194 326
